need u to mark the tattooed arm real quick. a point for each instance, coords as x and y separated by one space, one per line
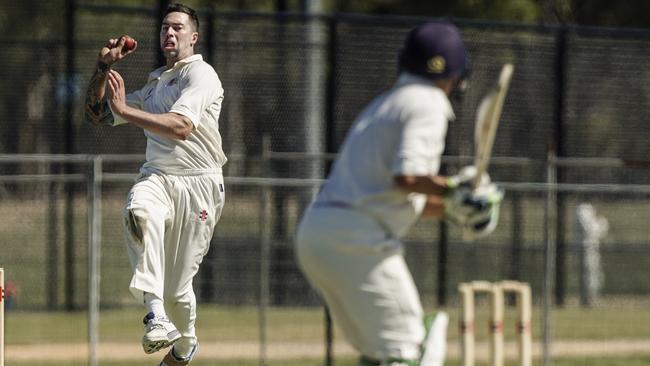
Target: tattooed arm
96 107
97 110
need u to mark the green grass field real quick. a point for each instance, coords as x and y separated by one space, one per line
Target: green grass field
218 323
303 326
589 361
607 361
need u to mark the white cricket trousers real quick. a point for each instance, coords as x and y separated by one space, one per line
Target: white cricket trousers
360 272
169 221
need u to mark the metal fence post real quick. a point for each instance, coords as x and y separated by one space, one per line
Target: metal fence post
161 6
330 147
550 222
560 109
52 252
517 240
442 260
69 148
94 256
315 97
265 251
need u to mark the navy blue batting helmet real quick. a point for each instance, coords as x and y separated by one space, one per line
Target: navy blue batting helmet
435 51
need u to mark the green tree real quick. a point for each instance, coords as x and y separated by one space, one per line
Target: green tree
631 13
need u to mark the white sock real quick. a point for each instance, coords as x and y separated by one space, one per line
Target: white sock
154 305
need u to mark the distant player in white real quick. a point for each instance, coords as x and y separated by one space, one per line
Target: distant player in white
386 177
172 209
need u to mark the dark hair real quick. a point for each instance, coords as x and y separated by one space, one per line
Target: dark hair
180 8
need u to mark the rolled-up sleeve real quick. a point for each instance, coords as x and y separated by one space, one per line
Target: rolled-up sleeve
422 141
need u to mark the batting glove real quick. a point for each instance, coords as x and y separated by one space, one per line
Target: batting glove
465 177
476 211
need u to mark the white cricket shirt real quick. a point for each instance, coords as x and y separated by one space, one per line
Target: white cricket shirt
401 132
191 88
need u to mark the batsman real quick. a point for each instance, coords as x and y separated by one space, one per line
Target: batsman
386 176
173 207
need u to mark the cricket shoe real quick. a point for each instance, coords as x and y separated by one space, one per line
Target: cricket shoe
159 333
172 360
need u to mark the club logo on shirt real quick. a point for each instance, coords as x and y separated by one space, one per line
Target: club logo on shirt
148 94
203 215
436 65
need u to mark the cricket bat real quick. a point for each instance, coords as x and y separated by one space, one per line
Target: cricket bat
487 121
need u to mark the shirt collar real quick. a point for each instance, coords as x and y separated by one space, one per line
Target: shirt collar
406 78
159 71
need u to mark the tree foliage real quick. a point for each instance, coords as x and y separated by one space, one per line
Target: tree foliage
631 13
38 17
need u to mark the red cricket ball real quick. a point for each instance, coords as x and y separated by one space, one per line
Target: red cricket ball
129 44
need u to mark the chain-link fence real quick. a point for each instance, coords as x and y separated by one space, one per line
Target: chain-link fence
58 247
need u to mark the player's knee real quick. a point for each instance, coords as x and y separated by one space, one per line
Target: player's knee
179 297
134 225
177 304
181 307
